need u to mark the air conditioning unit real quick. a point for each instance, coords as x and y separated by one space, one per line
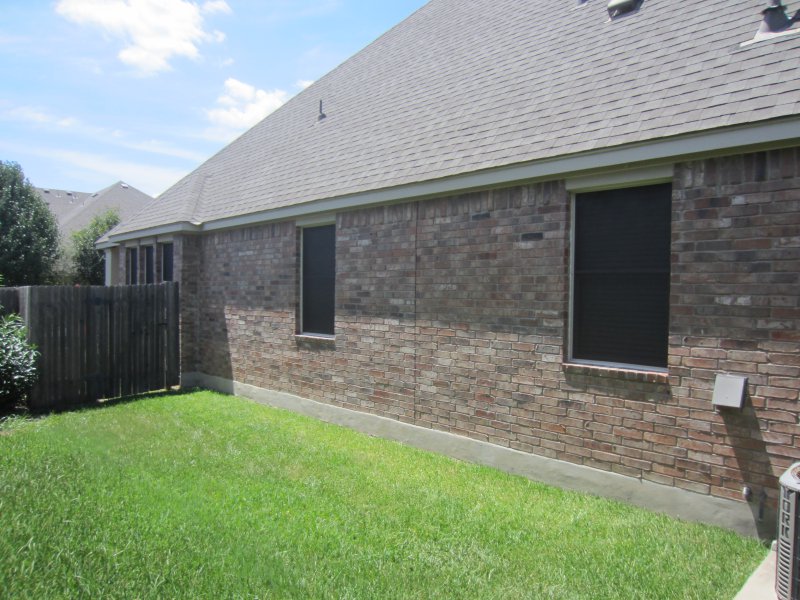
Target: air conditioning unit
787 571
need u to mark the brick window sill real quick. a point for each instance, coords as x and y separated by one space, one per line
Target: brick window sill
315 339
617 373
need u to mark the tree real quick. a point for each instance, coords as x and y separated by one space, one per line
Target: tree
88 262
28 230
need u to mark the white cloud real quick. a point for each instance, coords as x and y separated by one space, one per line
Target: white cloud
216 6
30 114
97 170
165 149
37 116
149 178
242 105
155 31
304 83
77 128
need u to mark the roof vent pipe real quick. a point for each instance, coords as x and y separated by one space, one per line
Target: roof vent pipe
776 19
617 8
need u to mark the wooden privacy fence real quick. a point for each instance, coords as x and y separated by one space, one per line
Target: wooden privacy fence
99 342
9 300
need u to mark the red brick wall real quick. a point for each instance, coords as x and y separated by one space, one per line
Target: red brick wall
452 313
492 303
734 306
186 266
376 333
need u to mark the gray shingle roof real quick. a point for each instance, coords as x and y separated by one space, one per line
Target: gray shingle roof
62 202
74 210
466 85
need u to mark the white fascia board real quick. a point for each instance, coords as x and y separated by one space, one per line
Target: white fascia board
151 232
746 138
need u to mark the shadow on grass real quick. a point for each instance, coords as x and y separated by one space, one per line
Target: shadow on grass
22 412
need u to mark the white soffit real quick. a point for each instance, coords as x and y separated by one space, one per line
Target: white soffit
620 179
317 220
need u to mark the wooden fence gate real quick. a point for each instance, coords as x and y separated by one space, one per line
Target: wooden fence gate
99 342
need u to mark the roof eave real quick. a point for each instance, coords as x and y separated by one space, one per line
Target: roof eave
747 138
180 227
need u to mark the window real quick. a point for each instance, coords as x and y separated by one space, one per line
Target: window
620 303
166 262
149 265
133 266
318 279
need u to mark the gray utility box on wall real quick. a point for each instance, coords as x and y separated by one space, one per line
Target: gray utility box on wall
729 391
787 569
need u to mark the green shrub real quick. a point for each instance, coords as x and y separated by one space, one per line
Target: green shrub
17 362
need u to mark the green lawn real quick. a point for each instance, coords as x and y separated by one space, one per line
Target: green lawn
208 496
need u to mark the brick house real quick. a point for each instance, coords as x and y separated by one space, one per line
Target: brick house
545 227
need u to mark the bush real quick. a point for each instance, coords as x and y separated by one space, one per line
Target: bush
17 362
89 263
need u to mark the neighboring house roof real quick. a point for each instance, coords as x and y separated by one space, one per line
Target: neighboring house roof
74 210
470 86
62 202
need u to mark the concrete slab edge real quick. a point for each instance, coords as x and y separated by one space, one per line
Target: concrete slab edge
690 506
761 583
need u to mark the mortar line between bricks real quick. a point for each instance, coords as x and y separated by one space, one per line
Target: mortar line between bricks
416 328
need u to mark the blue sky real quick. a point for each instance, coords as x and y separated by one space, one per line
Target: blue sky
96 91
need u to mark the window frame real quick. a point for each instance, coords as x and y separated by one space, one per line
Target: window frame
149 264
609 184
302 296
163 255
131 271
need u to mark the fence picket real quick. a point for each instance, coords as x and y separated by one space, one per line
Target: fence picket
75 343
139 329
54 337
117 342
9 301
103 314
148 324
157 366
172 336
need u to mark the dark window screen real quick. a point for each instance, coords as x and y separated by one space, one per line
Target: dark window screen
166 262
133 266
319 276
621 277
149 265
